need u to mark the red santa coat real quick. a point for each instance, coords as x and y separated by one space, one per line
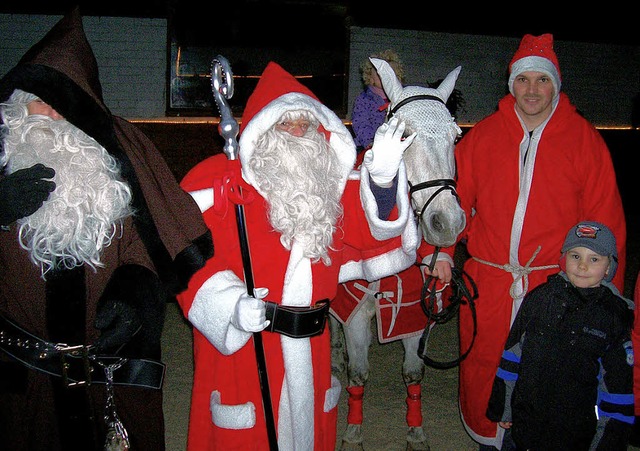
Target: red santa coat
226 407
512 209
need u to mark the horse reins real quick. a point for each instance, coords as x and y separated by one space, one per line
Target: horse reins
428 297
460 295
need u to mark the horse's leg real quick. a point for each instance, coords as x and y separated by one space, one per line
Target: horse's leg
413 371
338 351
357 335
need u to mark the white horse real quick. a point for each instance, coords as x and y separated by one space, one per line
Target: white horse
395 300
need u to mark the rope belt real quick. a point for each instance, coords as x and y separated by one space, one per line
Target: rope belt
521 272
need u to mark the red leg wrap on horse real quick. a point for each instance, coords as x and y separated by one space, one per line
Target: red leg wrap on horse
414 406
355 404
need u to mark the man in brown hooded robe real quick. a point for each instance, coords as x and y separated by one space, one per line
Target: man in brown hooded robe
96 236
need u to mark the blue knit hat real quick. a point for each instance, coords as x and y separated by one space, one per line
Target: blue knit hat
598 238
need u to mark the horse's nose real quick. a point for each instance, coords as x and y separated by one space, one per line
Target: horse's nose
436 223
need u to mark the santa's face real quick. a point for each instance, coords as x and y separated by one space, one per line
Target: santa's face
295 127
300 177
42 108
81 216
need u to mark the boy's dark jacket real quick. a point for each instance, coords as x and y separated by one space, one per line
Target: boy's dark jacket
568 349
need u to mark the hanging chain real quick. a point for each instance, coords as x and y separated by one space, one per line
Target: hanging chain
117 438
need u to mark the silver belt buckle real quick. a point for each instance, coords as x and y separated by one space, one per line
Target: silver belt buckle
79 351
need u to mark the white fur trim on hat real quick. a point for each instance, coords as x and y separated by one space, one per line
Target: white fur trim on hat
535 64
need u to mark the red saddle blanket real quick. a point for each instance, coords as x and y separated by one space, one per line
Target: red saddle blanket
399 313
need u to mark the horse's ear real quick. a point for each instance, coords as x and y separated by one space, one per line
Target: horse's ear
390 83
446 87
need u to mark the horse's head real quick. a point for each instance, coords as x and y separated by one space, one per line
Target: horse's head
429 159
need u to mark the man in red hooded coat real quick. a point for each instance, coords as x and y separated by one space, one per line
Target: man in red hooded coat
526 174
311 223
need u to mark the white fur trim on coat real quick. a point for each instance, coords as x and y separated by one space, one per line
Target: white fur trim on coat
212 308
204 198
242 416
405 226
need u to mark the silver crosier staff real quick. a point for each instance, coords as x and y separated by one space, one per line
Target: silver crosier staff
222 88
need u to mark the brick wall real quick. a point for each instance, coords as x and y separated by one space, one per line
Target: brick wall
131 54
602 80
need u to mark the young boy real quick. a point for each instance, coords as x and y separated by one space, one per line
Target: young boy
565 379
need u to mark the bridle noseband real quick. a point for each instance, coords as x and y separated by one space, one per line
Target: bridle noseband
444 184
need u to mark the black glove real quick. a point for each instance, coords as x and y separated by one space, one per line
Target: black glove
24 191
130 313
118 321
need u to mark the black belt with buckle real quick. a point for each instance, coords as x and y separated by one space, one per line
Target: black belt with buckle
297 322
76 365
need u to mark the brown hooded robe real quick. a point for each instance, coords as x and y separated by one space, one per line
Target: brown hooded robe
166 235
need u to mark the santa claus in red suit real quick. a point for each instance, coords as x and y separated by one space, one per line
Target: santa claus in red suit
311 223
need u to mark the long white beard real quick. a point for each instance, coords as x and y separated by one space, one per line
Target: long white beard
301 181
81 216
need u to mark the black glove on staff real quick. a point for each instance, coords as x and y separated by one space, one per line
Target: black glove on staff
24 191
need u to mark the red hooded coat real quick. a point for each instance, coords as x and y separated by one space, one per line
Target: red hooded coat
226 408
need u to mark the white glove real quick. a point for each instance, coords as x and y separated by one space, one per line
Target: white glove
383 159
250 312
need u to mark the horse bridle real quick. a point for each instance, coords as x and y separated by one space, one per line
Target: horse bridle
444 184
460 291
403 102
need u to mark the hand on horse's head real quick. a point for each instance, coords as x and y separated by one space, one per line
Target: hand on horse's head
383 159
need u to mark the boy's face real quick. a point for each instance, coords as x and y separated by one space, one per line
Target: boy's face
585 268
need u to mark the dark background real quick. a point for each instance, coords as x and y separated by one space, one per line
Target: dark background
285 22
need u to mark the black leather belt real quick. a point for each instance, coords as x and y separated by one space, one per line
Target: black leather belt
76 365
297 322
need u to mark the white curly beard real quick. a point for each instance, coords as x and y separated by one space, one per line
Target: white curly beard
300 177
81 216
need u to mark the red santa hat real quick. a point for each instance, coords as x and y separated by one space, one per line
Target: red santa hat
536 54
274 82
277 93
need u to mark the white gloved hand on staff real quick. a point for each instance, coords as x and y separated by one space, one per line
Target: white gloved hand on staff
250 312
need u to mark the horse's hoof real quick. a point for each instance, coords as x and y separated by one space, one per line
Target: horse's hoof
348 446
417 439
418 446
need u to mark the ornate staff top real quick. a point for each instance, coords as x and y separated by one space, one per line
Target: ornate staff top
222 88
